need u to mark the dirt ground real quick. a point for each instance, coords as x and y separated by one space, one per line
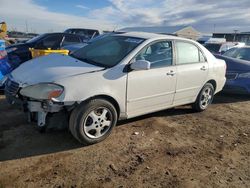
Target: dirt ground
174 148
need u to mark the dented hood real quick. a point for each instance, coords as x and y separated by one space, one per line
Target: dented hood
51 68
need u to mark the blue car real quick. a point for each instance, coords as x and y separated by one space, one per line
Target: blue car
5 68
74 47
238 70
7 64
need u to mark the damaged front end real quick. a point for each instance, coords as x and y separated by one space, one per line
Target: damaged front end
39 102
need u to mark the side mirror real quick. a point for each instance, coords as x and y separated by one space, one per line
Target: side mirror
140 65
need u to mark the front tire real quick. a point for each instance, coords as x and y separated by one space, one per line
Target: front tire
205 98
92 121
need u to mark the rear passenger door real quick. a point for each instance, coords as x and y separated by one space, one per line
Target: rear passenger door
192 71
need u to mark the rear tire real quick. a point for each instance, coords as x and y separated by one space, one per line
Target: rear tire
205 98
92 121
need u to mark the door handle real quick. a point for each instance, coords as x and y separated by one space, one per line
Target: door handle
171 73
203 68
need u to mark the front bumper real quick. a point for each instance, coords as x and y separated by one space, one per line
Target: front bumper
2 81
238 86
31 107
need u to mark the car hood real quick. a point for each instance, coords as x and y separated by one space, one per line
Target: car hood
51 68
235 65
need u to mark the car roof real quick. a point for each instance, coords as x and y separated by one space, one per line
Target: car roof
146 35
60 33
57 33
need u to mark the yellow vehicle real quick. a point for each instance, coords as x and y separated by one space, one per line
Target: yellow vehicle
38 52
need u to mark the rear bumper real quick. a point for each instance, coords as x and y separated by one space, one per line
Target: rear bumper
220 85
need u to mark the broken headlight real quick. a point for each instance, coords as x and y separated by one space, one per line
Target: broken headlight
43 91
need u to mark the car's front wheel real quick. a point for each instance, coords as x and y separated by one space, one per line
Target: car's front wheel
93 121
204 98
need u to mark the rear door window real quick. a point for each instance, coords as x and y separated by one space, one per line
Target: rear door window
187 53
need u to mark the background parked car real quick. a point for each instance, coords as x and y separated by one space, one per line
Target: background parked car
238 70
74 47
239 53
48 40
87 33
220 48
5 68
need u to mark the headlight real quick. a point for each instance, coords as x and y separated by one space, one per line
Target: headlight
244 75
43 91
11 50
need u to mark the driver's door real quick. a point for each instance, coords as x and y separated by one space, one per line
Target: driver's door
152 90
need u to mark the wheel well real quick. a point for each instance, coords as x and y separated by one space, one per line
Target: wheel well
213 82
110 99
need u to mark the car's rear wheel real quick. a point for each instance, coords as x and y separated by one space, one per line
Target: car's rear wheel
204 98
93 121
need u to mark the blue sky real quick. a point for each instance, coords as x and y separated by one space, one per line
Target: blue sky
75 7
58 15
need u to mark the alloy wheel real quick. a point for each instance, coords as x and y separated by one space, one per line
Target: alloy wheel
98 122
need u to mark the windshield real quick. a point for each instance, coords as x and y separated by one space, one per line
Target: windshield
107 51
239 53
230 52
34 39
214 48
